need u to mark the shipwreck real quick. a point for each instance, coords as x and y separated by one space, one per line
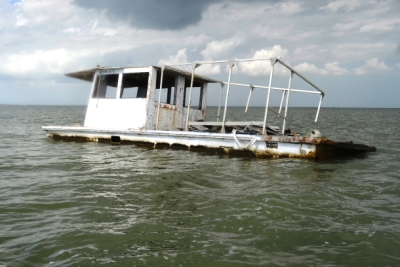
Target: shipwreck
154 105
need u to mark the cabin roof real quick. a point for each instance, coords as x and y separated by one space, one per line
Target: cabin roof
88 74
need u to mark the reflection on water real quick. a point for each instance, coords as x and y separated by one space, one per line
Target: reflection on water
86 204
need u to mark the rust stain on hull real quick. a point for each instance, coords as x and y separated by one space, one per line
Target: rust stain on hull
325 149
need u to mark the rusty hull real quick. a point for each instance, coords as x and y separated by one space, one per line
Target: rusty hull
325 148
267 146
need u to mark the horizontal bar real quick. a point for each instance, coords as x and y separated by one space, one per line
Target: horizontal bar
227 123
274 88
219 61
253 59
301 76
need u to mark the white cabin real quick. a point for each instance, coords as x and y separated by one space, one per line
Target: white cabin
127 98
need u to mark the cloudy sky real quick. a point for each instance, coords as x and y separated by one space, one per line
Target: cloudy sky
349 48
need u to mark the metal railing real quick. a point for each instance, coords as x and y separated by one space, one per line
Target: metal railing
231 63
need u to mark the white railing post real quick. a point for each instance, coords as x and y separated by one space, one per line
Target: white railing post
248 100
319 107
273 61
287 101
220 99
194 66
159 96
231 64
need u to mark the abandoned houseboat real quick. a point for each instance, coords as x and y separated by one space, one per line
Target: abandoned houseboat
154 105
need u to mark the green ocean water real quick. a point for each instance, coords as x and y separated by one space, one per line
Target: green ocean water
90 204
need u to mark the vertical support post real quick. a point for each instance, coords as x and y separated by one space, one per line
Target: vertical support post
194 66
220 99
231 63
287 101
319 107
273 61
283 97
203 100
159 95
248 100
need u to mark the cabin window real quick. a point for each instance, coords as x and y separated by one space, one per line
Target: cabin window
168 95
196 98
134 85
105 86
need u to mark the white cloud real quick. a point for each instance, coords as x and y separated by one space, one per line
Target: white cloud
219 49
180 57
382 25
41 12
72 30
307 68
331 68
282 32
20 20
192 40
259 68
96 22
209 69
288 8
36 63
310 53
347 5
372 66
398 65
355 25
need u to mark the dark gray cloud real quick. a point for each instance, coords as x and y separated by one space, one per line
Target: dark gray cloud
152 14
155 14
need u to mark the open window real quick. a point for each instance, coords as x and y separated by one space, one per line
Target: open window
168 95
134 85
196 97
105 86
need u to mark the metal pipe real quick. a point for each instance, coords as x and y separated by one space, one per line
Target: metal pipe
248 100
319 107
220 99
194 66
274 88
283 97
159 96
231 64
301 76
287 102
269 92
255 59
220 61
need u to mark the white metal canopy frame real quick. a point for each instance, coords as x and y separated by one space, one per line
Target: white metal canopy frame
231 64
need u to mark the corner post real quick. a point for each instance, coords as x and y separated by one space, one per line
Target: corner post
220 98
319 107
287 101
273 62
194 66
231 64
159 96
